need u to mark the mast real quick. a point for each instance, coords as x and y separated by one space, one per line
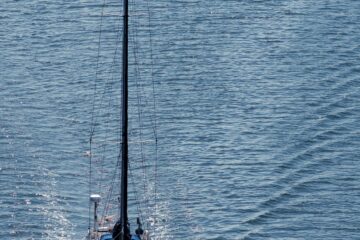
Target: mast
124 156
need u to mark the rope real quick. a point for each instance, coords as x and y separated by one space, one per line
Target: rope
110 192
139 104
153 118
92 128
94 117
108 89
137 201
154 109
104 100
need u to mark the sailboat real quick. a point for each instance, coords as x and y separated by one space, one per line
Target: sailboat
120 228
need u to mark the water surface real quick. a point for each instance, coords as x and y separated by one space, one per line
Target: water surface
257 109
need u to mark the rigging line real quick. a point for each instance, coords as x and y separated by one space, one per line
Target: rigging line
107 88
154 121
154 111
90 183
137 201
119 157
152 70
138 85
108 85
154 118
97 67
92 127
139 102
140 117
110 191
110 101
101 160
104 147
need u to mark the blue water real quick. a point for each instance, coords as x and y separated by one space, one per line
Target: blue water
257 116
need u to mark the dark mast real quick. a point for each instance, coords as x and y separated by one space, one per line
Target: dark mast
125 231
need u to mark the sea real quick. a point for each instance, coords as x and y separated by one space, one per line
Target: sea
256 107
